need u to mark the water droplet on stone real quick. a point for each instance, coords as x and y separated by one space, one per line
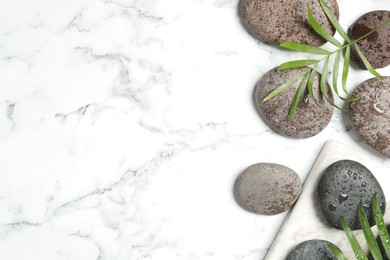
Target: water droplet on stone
320 249
364 184
332 207
355 176
343 197
349 172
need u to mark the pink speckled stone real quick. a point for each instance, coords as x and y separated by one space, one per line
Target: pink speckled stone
277 21
309 120
376 47
267 188
370 116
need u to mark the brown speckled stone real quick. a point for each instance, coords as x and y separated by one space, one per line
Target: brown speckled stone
309 120
375 47
370 116
278 21
267 188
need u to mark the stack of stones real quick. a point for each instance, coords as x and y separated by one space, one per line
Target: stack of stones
268 188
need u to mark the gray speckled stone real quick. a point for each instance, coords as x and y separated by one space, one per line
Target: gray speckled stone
341 188
267 188
370 116
375 47
309 120
277 21
312 250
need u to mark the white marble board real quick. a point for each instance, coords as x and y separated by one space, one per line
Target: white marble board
305 220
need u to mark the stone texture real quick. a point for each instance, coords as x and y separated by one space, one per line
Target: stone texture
375 47
312 250
370 116
309 120
285 20
267 188
341 188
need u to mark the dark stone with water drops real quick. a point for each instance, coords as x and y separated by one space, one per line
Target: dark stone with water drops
309 119
370 115
267 188
376 47
312 250
341 188
278 21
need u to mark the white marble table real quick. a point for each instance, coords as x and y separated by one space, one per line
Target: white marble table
124 124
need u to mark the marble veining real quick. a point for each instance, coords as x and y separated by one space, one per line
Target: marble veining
124 125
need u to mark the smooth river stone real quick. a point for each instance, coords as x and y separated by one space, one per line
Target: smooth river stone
309 120
278 21
267 188
375 47
341 188
312 250
370 116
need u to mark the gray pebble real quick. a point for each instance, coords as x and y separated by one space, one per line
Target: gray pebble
376 47
267 188
312 250
341 188
278 21
370 116
309 120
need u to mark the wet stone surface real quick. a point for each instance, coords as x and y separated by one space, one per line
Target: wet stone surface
341 188
309 119
376 47
370 116
285 20
267 188
312 250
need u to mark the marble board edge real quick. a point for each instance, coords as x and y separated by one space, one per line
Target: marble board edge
305 220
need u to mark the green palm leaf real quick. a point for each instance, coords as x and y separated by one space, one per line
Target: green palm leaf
297 97
357 249
324 76
310 84
304 48
332 18
321 31
366 62
283 87
380 223
296 64
370 238
337 252
347 58
336 66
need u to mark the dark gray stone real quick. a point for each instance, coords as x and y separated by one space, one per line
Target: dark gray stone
309 120
312 250
267 188
375 47
341 188
370 116
278 21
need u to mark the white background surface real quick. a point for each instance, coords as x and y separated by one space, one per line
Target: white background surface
124 124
